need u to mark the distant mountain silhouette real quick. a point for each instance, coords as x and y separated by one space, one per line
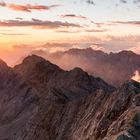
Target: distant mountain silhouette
114 68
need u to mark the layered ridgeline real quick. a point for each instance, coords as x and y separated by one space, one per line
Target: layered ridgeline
40 101
114 68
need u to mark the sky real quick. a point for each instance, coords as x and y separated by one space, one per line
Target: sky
108 25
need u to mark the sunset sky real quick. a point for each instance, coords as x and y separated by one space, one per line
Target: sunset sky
109 25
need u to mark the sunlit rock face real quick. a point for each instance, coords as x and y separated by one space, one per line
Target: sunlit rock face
44 102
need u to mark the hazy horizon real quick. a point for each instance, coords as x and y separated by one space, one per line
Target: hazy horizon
59 25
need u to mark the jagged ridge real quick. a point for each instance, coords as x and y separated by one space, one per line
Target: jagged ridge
40 101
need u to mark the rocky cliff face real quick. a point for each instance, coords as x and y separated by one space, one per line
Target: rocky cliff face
55 104
98 116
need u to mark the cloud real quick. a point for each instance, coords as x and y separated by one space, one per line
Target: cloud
36 23
11 34
19 18
27 7
96 30
127 22
136 76
123 1
2 4
90 2
73 16
66 31
57 47
53 47
136 49
136 2
82 30
97 47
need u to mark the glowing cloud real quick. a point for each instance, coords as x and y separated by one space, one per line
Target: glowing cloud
26 7
136 76
37 23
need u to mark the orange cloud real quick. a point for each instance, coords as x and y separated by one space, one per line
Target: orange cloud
136 76
2 4
27 7
36 23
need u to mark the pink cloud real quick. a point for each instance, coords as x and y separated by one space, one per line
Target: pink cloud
26 7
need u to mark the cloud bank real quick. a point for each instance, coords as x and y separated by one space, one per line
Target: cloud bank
36 23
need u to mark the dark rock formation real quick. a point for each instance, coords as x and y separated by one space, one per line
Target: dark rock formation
17 102
97 116
40 101
44 76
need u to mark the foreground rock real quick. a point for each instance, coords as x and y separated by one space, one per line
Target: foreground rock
99 116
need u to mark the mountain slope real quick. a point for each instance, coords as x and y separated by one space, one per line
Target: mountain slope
17 102
40 101
98 116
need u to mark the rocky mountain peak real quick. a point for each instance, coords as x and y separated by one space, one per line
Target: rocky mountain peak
33 60
35 64
3 66
77 71
44 75
2 62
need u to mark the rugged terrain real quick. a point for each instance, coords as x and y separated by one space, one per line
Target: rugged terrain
40 101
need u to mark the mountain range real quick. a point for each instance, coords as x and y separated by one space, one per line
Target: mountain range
114 68
41 101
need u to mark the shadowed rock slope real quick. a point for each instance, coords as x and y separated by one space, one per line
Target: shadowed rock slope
67 105
17 102
45 76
